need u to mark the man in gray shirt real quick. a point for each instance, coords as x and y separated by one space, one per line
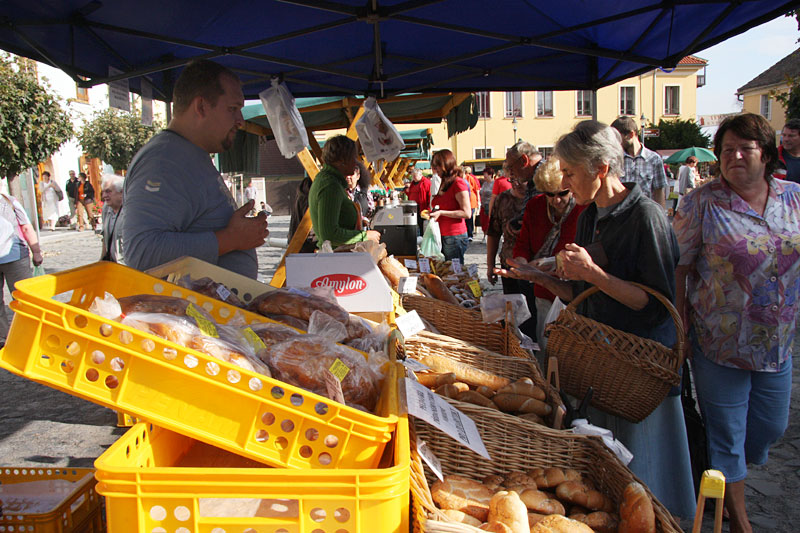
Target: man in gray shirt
176 202
642 165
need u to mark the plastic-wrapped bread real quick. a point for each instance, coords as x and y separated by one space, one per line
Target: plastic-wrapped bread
210 288
272 333
155 303
289 321
297 303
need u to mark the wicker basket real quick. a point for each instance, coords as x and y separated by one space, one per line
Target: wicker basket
630 375
466 325
518 445
506 367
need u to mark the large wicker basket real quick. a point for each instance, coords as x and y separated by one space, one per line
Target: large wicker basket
466 325
630 375
516 446
506 367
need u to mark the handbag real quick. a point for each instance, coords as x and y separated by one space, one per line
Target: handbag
59 192
630 375
695 430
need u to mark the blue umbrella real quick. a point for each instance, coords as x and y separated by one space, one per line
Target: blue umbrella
703 155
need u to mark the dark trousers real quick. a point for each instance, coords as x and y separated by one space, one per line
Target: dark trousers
471 223
518 286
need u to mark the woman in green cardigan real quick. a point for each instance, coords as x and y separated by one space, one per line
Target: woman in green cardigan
333 215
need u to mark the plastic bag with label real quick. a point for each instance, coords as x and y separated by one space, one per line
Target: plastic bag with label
284 119
379 138
431 245
493 307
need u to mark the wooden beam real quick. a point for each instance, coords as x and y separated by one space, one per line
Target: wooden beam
351 131
315 147
257 129
301 234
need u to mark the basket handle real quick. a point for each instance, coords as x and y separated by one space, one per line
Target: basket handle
679 333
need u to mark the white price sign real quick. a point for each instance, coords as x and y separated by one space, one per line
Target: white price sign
456 262
430 458
409 324
433 409
411 264
407 285
414 365
424 265
472 270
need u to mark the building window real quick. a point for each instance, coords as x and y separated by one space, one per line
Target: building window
766 106
544 103
546 151
627 101
513 104
701 78
483 153
583 105
482 100
672 100
81 93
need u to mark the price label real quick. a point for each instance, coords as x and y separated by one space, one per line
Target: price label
339 369
223 292
409 324
433 409
414 365
430 458
411 264
253 339
456 263
475 287
472 270
407 285
207 327
424 265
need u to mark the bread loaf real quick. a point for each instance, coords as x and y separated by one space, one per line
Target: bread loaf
393 270
525 387
493 481
578 493
540 502
560 524
433 380
460 517
464 372
510 402
599 521
272 333
636 514
450 390
438 289
535 518
476 398
462 494
297 303
547 478
506 508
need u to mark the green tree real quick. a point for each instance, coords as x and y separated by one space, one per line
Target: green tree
115 137
790 100
677 134
33 125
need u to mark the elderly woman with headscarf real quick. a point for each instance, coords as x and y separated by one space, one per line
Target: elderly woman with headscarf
334 216
623 237
738 285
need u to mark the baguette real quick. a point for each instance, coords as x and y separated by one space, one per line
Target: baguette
438 289
510 402
464 372
433 380
525 387
476 398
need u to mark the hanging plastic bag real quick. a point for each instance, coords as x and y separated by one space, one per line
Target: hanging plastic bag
555 310
431 245
38 270
493 307
284 119
379 138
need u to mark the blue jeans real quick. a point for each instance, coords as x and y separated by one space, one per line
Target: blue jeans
455 246
745 411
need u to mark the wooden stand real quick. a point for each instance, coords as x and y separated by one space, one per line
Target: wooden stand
712 485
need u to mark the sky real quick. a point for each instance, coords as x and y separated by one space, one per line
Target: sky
738 60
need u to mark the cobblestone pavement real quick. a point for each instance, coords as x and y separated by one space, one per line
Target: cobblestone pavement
40 426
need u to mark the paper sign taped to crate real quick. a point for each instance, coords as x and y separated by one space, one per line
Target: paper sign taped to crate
409 324
425 404
430 458
356 281
407 285
411 264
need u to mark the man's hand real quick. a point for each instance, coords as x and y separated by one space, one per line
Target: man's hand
373 235
243 232
574 262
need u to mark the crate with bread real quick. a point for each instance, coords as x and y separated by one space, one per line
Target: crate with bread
203 367
466 373
538 481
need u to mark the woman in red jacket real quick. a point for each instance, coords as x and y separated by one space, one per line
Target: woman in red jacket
451 205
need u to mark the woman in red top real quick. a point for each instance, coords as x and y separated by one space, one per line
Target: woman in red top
419 190
549 223
451 205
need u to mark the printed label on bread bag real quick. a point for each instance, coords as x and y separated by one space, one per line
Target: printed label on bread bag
424 265
253 339
456 264
430 458
333 386
472 270
407 285
411 264
425 404
475 287
207 327
409 324
223 292
339 369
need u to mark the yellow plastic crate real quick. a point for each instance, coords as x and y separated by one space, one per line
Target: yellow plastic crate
64 346
78 511
156 480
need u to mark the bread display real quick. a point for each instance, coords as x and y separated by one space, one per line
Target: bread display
298 304
392 270
459 493
636 513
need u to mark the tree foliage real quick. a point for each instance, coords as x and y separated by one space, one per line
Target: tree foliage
33 125
677 134
114 136
790 100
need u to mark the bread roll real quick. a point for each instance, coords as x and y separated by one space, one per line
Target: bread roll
524 387
460 517
506 508
493 481
535 518
579 493
510 402
438 289
519 478
476 398
599 521
462 494
450 390
496 527
560 524
636 512
541 502
393 270
547 478
433 380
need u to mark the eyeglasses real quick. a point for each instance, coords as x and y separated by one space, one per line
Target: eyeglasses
560 194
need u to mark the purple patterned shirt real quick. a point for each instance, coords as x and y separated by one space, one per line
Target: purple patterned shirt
745 282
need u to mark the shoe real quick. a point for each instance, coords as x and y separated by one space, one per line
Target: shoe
470 239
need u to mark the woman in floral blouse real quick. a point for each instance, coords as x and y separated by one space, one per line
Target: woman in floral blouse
738 283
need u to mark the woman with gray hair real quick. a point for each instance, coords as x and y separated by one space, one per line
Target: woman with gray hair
623 237
334 216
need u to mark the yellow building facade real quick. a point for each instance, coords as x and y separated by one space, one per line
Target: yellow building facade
541 117
756 95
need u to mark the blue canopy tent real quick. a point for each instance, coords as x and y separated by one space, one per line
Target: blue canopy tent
380 47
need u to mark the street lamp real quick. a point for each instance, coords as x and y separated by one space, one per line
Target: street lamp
514 126
642 118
